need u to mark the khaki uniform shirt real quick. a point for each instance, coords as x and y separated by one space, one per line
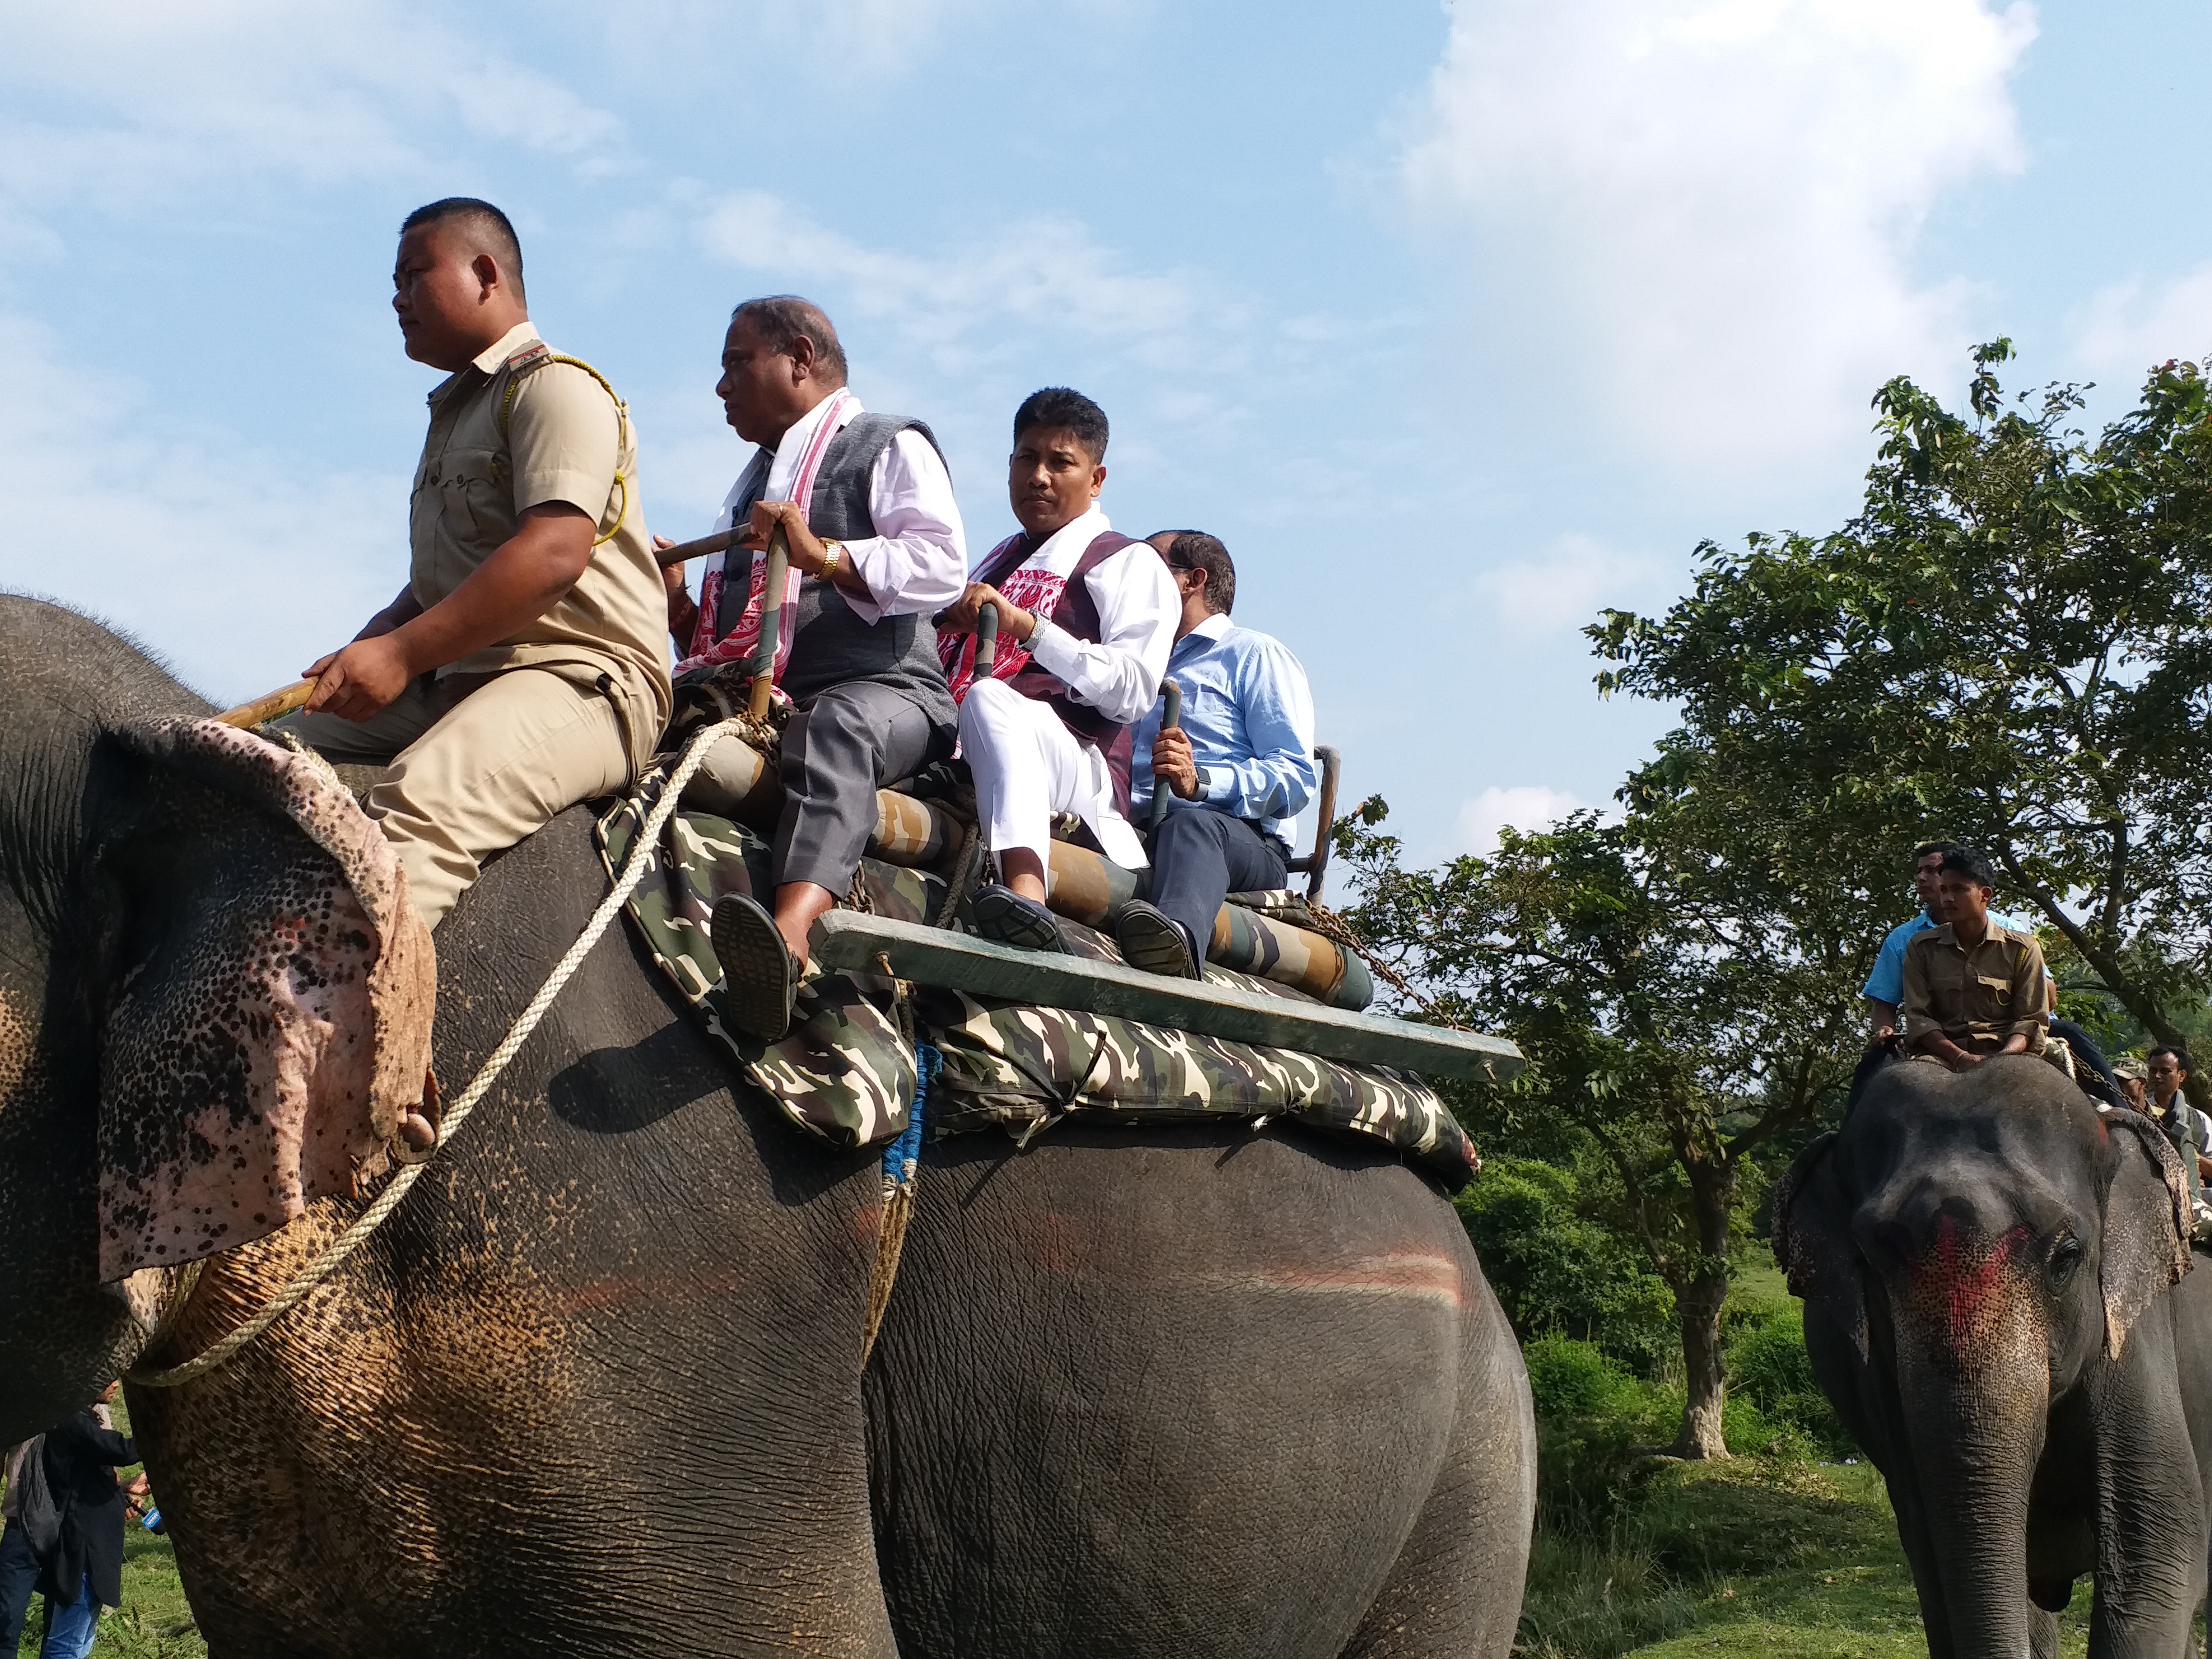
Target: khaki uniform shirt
1979 998
515 429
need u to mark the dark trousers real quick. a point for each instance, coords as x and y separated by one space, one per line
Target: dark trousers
19 1576
837 751
1200 858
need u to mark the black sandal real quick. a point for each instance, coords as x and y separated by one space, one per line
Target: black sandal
1003 915
759 978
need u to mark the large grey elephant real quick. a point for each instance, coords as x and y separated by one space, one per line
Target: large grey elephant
597 1388
1997 1301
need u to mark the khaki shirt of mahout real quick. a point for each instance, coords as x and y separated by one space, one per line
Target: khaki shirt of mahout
517 428
1979 998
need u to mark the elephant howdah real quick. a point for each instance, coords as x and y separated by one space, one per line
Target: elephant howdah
1999 1300
597 1386
740 784
846 1071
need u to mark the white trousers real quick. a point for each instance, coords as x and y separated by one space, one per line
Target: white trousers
1028 766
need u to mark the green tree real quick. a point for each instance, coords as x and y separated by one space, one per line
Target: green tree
1675 1021
2011 646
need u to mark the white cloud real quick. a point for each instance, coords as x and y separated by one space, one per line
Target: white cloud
242 567
1699 215
1524 806
2126 328
117 104
1565 587
1045 270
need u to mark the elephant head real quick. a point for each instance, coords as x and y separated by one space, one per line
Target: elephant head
215 1002
1972 1247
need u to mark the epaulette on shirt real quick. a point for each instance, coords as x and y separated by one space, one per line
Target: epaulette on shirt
528 357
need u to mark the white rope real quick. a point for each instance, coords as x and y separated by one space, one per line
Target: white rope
695 757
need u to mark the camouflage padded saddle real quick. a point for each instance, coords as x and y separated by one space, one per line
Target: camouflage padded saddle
846 1071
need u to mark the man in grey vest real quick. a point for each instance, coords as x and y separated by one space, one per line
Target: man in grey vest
866 506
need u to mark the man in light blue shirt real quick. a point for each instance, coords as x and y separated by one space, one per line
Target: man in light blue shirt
1884 990
1238 769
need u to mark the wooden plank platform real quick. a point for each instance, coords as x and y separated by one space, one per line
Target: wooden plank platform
983 967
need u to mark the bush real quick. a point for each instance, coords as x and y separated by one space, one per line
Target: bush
1554 1271
1593 1422
1769 1373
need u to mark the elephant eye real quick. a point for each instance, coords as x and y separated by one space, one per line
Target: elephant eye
2065 1257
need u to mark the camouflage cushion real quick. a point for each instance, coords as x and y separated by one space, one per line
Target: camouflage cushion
846 1071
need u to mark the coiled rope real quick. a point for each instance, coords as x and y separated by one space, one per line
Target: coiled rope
648 835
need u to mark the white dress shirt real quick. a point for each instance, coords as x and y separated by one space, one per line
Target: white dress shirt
917 564
1139 609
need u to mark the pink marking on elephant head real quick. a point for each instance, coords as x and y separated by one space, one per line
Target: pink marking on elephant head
272 1064
1965 1288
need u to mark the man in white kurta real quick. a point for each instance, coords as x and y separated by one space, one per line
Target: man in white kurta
1087 618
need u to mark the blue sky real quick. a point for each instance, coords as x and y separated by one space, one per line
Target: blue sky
1456 323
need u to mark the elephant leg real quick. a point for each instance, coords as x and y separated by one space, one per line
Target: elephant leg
1455 1587
2042 1634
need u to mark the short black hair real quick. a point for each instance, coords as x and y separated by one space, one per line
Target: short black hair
1946 848
783 319
1062 406
493 230
1958 860
2180 1059
1194 549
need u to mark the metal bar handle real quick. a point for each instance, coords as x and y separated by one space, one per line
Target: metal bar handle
1171 720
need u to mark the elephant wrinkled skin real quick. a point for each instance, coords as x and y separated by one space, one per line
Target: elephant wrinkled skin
596 1387
1997 1300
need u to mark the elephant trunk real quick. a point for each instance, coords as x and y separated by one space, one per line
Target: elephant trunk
1974 1385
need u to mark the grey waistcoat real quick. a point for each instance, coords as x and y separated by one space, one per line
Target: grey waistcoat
830 644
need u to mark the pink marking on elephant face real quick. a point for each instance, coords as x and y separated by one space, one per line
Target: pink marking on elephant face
241 1082
1966 1291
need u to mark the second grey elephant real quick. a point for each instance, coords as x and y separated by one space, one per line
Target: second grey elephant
1997 1300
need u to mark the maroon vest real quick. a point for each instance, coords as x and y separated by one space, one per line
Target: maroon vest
1077 613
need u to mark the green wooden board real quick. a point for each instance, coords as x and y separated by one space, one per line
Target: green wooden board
982 967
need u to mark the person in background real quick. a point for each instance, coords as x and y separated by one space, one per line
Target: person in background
1884 990
1237 769
2189 1129
2131 1074
85 1573
19 1568
1974 989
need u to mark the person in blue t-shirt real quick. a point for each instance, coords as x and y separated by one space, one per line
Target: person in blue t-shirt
1884 990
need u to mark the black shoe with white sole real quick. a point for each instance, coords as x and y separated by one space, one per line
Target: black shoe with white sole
1153 940
759 978
1003 915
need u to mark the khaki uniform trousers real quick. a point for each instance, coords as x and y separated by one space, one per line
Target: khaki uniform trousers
478 762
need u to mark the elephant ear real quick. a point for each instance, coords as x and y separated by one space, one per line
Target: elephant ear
1813 1239
276 1024
2147 1223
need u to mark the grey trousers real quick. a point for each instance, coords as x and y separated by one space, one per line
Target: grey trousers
837 751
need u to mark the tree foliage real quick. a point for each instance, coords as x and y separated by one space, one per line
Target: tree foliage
2011 646
1674 1023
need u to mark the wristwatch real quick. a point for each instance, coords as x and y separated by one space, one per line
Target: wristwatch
832 553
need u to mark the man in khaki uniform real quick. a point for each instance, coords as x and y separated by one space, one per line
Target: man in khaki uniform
521 669
1973 989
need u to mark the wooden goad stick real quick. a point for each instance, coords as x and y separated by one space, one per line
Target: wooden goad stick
269 707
